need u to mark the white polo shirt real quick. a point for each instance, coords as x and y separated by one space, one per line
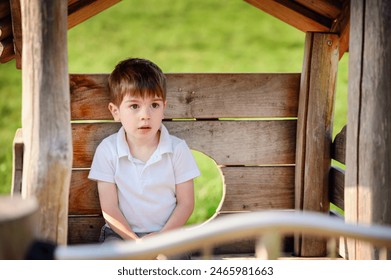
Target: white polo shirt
146 191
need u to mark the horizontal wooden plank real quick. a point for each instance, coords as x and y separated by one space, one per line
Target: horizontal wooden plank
338 149
199 96
84 229
83 195
337 187
246 189
227 142
258 188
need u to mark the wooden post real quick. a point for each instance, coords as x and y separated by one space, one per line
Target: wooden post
46 114
314 132
368 154
17 226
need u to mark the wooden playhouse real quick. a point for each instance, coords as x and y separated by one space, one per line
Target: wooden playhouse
276 155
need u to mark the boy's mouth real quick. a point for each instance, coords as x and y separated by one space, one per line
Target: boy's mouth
144 127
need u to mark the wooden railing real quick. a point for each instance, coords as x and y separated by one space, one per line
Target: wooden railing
266 227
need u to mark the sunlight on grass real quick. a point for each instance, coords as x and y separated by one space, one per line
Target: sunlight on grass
208 189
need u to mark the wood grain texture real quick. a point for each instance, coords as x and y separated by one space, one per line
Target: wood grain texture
84 229
293 14
338 149
352 133
337 187
258 188
368 176
79 11
329 9
17 164
227 142
337 175
246 189
45 117
199 96
314 136
83 195
302 122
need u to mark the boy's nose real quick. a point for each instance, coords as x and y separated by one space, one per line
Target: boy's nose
145 114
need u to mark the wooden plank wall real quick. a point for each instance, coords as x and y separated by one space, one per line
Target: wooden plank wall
256 156
337 173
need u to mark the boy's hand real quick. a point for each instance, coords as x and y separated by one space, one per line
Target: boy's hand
150 234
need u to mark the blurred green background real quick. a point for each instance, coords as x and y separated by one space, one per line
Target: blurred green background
180 36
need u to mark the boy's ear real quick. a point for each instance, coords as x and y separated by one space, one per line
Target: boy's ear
114 111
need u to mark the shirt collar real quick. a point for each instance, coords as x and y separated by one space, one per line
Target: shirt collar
165 142
164 146
122 145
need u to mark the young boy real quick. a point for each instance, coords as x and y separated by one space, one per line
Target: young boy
144 175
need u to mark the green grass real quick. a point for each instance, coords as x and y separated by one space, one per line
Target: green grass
208 189
180 36
10 119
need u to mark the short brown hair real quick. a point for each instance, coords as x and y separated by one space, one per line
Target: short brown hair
137 77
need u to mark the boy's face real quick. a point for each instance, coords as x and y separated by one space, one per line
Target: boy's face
140 117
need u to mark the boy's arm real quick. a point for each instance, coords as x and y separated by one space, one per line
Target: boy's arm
111 213
184 207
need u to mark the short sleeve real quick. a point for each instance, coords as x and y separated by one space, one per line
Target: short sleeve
185 166
103 164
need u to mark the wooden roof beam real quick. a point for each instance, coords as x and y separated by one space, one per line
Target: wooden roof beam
294 14
79 11
4 8
6 50
5 27
341 26
6 45
16 16
327 8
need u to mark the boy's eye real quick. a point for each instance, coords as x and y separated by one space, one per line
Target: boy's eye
133 106
155 105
